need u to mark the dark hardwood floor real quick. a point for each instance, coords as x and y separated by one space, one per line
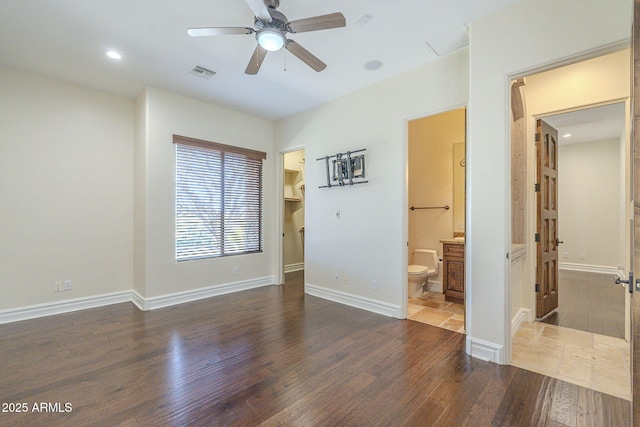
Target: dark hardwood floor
589 302
271 356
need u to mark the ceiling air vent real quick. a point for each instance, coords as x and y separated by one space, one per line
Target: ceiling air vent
202 72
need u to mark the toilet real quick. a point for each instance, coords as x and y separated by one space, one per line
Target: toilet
425 264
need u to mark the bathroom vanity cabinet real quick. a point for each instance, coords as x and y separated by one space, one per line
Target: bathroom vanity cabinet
453 274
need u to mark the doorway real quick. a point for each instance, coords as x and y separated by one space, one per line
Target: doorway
293 217
570 342
436 195
591 242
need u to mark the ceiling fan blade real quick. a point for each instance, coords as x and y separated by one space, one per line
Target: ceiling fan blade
305 56
256 60
322 22
217 31
259 9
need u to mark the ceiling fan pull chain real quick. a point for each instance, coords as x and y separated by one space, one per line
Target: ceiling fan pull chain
285 60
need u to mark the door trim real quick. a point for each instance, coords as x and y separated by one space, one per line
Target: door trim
530 247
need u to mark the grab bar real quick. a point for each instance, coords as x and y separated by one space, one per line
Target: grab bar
430 207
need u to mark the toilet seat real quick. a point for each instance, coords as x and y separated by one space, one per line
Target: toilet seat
418 269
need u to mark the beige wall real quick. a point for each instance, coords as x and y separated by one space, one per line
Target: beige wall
504 46
162 114
369 241
77 188
431 166
66 190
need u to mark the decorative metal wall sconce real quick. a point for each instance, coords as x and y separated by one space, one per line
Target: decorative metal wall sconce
344 169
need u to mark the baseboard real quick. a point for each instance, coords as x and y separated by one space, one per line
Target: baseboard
290 268
523 315
61 307
167 300
145 304
484 350
603 269
434 286
356 301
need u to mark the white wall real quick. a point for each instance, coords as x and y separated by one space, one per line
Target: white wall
527 35
369 240
590 215
162 114
66 190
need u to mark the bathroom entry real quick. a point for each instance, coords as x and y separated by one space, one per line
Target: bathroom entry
293 216
436 246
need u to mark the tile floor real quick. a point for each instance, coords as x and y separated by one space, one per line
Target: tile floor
431 308
591 360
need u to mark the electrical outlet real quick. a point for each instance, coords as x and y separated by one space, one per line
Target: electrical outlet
565 254
337 277
235 270
67 285
583 256
374 285
346 280
57 287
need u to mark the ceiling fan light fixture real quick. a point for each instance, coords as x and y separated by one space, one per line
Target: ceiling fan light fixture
270 40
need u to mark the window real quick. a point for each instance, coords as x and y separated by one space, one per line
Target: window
218 199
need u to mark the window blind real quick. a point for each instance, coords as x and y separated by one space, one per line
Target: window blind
218 199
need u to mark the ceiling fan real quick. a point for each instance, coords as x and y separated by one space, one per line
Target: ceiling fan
271 28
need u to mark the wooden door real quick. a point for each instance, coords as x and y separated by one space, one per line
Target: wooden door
635 228
547 219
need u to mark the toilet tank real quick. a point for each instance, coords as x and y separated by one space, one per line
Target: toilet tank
426 257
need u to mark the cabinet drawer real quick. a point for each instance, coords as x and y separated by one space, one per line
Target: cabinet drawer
452 249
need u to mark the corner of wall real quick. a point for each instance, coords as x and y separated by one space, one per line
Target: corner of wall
140 183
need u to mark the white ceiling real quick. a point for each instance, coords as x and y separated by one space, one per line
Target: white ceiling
68 39
591 124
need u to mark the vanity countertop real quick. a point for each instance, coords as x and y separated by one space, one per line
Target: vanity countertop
454 241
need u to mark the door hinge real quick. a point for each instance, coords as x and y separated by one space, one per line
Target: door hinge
537 137
537 187
537 287
537 237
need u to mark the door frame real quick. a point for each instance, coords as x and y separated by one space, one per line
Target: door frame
404 308
529 315
281 209
634 246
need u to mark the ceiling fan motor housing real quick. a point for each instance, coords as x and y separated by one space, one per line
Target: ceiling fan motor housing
276 29
271 28
278 22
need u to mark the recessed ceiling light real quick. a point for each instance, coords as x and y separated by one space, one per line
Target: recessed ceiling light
113 54
373 65
566 135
